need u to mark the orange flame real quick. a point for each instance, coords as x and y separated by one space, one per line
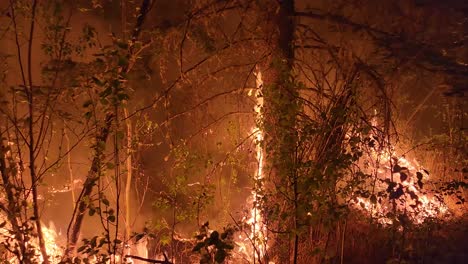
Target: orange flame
418 205
254 246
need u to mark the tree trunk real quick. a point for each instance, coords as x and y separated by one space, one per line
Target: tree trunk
280 119
32 143
74 227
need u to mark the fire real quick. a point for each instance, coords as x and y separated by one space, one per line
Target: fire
398 177
406 180
54 251
254 246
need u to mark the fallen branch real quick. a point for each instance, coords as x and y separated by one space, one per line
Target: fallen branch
165 261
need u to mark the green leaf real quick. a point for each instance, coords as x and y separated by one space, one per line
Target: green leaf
391 185
398 193
93 241
122 97
403 176
123 61
120 134
102 241
420 184
220 256
214 235
413 195
82 248
198 246
419 175
138 237
396 168
122 45
106 92
110 165
87 103
97 81
104 101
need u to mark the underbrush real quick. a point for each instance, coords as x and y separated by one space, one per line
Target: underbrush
434 241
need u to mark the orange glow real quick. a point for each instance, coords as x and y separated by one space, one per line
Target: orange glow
417 203
254 246
53 250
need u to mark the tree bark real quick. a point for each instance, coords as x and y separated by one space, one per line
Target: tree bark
280 121
74 228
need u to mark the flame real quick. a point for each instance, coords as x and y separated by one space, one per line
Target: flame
254 245
417 204
54 251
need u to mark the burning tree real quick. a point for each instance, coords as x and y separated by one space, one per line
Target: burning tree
277 121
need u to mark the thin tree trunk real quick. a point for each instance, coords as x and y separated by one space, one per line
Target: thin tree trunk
280 121
12 200
128 124
128 183
70 168
74 227
12 209
32 146
296 222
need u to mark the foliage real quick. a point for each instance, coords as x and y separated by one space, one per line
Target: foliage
340 85
214 247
